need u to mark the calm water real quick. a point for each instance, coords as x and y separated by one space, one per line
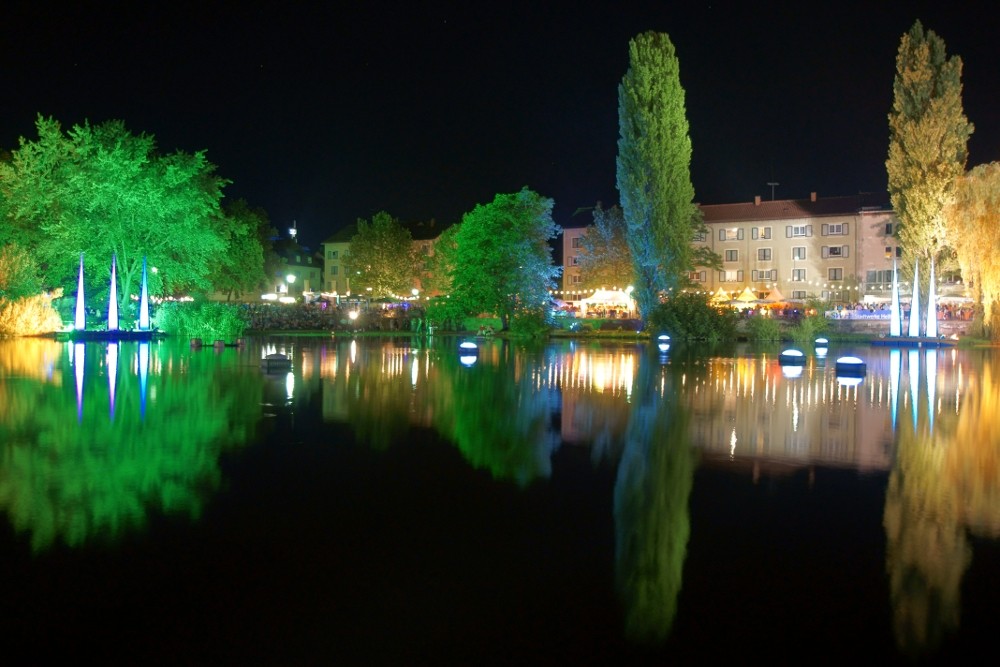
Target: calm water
385 503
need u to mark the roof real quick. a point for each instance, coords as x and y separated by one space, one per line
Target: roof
814 207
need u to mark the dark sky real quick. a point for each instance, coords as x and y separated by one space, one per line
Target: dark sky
325 115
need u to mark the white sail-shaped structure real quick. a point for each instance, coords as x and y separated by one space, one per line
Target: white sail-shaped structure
914 331
80 319
113 298
895 318
144 301
931 329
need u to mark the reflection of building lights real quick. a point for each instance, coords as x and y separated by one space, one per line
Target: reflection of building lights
352 315
467 359
791 371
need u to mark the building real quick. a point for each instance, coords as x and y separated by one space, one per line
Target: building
839 249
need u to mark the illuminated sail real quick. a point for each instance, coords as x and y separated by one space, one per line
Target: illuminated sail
895 319
915 303
113 299
932 331
80 321
144 301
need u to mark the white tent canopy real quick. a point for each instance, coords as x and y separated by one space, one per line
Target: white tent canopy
609 298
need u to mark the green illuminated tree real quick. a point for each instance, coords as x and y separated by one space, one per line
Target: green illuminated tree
653 170
928 137
18 273
382 257
502 263
605 259
248 234
972 221
102 191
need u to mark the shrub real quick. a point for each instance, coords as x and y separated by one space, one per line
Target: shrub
530 324
809 327
689 316
760 327
205 320
29 315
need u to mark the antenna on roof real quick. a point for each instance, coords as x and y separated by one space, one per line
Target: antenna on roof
773 185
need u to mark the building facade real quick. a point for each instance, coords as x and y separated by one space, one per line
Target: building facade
837 249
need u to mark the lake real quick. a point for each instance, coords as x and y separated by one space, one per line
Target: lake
398 501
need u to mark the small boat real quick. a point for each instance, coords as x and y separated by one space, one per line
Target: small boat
276 362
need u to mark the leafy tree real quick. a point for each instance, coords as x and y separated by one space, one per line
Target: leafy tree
928 136
18 273
502 263
973 224
653 170
102 191
606 259
248 234
436 279
382 257
692 316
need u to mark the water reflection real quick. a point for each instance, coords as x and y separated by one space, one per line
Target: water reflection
944 486
91 461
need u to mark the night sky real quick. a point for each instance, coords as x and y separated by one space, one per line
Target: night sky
325 115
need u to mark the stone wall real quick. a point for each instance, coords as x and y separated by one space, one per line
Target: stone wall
881 327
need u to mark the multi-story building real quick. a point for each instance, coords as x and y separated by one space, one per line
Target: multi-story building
839 249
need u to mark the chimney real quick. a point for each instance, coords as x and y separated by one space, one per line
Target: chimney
756 200
812 196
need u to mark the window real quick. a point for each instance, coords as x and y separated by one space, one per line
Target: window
331 254
799 275
732 255
731 276
731 234
333 270
763 254
799 252
835 251
839 229
698 276
765 232
577 242
836 274
759 276
576 280
798 230
574 260
798 294
700 236
889 250
888 229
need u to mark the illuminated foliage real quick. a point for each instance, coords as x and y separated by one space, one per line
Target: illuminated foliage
18 273
605 259
382 257
653 170
102 191
501 262
241 271
928 137
973 223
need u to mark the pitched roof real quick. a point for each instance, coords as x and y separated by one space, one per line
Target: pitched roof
814 207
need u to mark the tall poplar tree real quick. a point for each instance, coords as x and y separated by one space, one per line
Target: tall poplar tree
928 137
653 169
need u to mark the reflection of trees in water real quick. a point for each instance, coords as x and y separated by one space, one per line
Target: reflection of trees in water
946 481
652 518
495 415
95 475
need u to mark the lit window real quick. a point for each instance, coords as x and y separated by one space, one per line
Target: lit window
799 252
798 275
764 254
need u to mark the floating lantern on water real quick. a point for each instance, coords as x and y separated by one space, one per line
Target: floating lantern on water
791 357
851 367
468 352
663 342
822 342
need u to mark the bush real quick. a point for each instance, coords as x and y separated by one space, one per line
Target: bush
689 316
761 327
809 327
30 315
206 320
530 324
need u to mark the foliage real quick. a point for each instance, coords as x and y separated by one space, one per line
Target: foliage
973 221
653 170
810 326
445 313
382 257
248 233
532 323
928 136
691 316
18 273
205 320
501 262
605 258
760 327
29 315
436 278
102 191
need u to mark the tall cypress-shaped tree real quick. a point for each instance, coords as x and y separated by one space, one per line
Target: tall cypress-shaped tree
654 178
928 137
